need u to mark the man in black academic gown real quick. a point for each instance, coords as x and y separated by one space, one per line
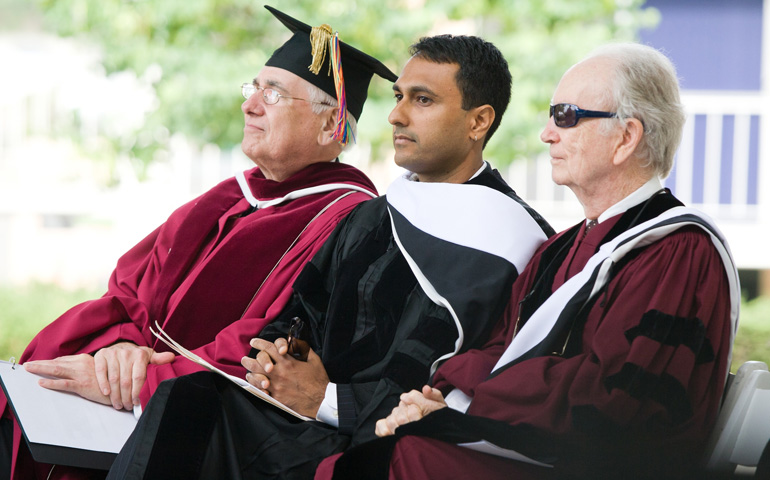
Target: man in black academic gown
404 282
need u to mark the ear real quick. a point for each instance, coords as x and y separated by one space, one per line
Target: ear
328 124
632 134
481 119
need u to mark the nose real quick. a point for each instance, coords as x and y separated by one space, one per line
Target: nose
550 133
254 104
397 116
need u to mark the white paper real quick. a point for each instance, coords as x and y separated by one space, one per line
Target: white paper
486 447
57 418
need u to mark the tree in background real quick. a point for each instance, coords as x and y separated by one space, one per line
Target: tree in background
196 53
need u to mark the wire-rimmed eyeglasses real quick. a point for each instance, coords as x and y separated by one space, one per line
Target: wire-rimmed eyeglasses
271 96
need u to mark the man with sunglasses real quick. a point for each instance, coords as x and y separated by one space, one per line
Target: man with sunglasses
405 281
611 359
212 274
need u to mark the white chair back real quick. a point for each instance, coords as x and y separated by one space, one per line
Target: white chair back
742 428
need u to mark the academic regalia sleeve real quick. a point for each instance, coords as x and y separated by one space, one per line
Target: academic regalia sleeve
652 367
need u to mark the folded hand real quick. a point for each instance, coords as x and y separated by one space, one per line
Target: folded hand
413 406
300 385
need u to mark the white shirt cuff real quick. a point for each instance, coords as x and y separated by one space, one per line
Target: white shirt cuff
327 412
458 400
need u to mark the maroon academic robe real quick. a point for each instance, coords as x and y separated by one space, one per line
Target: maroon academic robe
640 393
210 275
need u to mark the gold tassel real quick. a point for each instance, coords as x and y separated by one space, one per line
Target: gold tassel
319 41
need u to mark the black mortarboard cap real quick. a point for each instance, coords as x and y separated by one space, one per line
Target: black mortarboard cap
296 56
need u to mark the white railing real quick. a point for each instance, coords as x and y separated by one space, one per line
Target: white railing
714 121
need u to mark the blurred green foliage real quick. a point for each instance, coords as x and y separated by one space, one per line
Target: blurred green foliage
196 53
753 339
24 311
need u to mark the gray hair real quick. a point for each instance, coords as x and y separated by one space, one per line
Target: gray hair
645 87
325 102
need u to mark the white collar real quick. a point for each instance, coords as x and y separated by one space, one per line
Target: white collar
637 197
412 177
478 172
303 192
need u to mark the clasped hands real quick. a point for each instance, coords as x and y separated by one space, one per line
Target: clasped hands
113 376
300 385
412 406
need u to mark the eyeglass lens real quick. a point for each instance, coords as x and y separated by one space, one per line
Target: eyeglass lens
564 115
247 90
271 96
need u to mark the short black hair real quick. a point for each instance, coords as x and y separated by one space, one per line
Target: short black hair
483 77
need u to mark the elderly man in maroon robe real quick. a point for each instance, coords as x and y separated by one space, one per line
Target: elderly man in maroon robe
223 264
613 355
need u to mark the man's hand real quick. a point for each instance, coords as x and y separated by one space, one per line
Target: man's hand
413 406
299 385
72 373
121 370
114 376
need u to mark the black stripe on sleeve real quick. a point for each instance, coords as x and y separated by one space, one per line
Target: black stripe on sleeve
674 331
642 385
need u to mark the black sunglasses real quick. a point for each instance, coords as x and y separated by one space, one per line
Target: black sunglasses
566 115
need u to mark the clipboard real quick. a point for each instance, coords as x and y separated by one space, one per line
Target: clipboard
63 428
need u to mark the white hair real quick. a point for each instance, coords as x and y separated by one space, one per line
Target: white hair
645 86
324 102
